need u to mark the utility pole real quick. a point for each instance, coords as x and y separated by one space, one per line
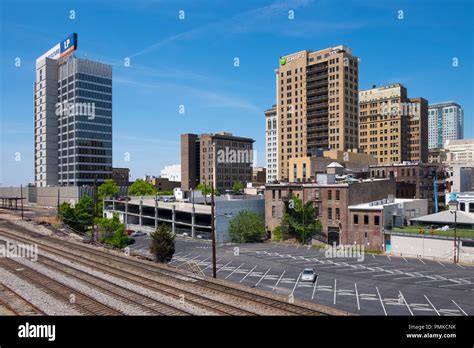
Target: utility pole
58 202
95 209
213 232
21 198
456 255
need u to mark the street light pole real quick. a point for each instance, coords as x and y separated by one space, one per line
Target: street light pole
213 232
456 256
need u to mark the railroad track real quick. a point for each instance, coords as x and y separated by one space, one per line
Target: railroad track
267 303
209 305
83 303
16 304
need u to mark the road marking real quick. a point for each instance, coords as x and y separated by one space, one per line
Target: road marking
279 279
297 281
403 297
263 276
314 289
459 307
422 261
202 261
461 266
223 266
371 271
210 264
404 259
373 256
194 258
235 270
181 258
357 296
241 280
432 305
389 258
335 291
441 264
309 246
381 302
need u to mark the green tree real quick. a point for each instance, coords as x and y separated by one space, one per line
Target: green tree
84 213
299 220
163 244
108 227
247 227
108 189
205 190
141 188
237 186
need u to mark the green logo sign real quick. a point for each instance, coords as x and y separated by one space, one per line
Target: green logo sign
283 61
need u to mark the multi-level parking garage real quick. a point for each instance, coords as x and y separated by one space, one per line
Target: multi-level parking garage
183 217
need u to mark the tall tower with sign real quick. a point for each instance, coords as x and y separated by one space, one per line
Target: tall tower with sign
317 94
73 118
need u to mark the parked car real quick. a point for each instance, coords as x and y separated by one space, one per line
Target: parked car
129 232
137 234
130 241
124 199
308 275
169 199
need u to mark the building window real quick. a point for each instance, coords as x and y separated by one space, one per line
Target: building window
366 219
329 213
462 206
329 195
273 194
356 219
376 220
338 195
273 211
471 207
338 213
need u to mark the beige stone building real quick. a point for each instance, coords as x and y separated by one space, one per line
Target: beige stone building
393 127
317 104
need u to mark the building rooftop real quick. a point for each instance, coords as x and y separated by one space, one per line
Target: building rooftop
446 217
380 204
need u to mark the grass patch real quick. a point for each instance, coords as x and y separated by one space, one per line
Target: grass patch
450 233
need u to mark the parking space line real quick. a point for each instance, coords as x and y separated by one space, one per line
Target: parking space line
223 266
194 258
335 291
241 280
296 284
210 264
180 258
314 288
461 266
404 259
389 258
459 308
202 261
234 271
373 256
432 305
381 302
263 276
357 296
278 281
404 300
442 264
423 262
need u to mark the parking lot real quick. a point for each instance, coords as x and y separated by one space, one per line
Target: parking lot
376 285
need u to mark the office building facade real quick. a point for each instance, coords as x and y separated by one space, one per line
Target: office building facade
393 127
317 104
271 143
217 159
445 122
73 120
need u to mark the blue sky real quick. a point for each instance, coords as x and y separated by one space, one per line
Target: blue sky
190 62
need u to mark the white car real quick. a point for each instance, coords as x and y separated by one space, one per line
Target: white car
308 275
137 234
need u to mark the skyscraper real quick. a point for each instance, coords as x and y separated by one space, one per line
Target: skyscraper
393 127
73 118
317 104
271 144
445 122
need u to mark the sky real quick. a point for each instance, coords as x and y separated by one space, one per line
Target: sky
190 62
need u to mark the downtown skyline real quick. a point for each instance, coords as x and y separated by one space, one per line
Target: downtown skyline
191 62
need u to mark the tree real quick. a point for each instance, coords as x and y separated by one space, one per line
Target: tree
108 189
205 190
237 186
108 227
247 227
141 188
299 220
162 244
84 213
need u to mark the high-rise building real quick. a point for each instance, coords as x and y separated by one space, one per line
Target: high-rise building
218 159
393 127
317 104
445 122
73 118
271 144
